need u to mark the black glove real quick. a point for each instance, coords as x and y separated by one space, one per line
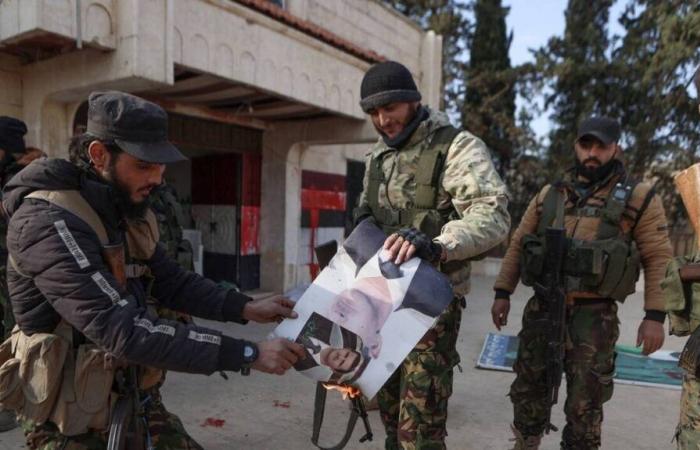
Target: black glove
425 248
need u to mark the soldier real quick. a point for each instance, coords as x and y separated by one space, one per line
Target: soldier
683 305
171 220
612 224
84 259
434 191
13 157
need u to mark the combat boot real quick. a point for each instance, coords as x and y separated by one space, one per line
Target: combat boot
525 443
8 420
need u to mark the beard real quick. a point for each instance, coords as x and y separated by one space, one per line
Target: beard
597 173
128 207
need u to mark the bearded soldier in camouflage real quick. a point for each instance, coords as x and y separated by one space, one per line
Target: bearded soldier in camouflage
612 224
683 305
434 191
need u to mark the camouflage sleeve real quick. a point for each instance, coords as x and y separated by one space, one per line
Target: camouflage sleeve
651 236
479 197
365 181
362 210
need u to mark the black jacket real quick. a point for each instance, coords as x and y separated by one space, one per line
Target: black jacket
63 275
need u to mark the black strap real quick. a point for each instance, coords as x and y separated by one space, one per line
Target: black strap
319 410
643 207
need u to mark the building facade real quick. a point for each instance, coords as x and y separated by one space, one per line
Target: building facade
262 96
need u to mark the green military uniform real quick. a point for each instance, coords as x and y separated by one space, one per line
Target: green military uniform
443 183
612 226
683 305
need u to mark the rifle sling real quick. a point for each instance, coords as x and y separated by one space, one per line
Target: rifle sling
319 410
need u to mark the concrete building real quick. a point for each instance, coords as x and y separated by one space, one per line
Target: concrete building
263 98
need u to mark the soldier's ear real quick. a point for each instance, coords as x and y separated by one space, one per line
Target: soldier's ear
99 156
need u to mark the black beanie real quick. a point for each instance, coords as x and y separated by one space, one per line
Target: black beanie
385 83
12 133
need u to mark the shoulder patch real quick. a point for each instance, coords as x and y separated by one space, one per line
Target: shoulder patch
108 290
71 244
203 337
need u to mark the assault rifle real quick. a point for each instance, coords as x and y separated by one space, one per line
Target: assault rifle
126 426
551 292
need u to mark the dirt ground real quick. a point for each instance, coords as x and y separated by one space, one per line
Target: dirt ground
270 412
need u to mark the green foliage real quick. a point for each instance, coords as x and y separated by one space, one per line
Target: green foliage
573 68
489 105
447 18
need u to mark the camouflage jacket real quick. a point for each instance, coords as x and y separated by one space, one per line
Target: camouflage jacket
468 182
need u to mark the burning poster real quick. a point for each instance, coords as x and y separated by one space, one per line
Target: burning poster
363 314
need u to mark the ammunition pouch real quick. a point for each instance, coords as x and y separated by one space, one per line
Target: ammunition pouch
606 267
682 299
43 378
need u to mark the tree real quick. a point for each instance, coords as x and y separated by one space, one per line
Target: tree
651 70
447 18
575 68
489 106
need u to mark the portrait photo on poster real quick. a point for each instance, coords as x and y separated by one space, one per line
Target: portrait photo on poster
363 314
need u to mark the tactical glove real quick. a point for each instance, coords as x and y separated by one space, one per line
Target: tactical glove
425 248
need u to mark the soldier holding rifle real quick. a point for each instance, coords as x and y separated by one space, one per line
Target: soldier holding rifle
612 226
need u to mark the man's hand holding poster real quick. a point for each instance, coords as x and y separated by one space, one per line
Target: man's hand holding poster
364 314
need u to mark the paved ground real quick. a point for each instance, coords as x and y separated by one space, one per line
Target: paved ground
268 412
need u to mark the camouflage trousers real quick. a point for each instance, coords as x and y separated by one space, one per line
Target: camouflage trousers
165 432
413 402
688 430
591 333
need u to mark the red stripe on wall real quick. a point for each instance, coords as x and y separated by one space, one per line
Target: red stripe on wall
314 199
250 230
322 181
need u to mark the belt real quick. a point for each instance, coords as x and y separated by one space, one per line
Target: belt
583 301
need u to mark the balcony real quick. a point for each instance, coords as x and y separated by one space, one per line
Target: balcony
39 29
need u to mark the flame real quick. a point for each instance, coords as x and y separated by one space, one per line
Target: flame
347 391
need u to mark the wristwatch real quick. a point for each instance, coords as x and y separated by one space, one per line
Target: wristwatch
250 355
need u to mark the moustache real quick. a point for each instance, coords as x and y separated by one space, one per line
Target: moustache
592 159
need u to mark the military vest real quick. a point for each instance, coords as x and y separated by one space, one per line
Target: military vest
423 215
607 266
56 376
682 299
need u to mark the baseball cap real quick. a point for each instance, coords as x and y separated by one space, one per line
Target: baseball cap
603 128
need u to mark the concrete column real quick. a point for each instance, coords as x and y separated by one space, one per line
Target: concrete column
431 86
280 211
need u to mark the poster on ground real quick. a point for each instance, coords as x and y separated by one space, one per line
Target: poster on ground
363 314
660 369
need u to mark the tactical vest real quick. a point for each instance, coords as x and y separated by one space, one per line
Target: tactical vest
682 299
423 213
607 266
51 376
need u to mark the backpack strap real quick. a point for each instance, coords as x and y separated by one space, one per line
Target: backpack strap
376 178
552 205
430 164
74 203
